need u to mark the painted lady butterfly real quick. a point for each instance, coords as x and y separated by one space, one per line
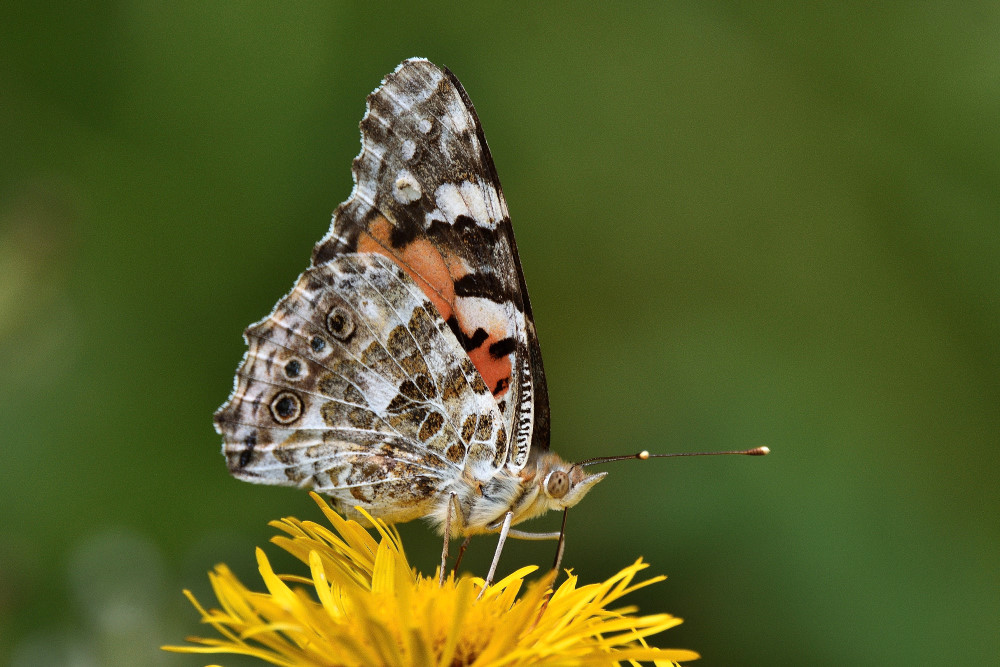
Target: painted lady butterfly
402 373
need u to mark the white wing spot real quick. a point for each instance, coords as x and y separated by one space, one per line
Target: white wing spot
499 319
409 149
434 216
406 190
410 96
449 200
424 125
480 202
459 116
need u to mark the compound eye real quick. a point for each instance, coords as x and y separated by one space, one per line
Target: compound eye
557 484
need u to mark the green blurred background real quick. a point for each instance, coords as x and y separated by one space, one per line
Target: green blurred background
742 224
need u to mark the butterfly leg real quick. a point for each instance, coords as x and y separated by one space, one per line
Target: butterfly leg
504 529
554 535
555 567
562 544
535 537
447 540
461 552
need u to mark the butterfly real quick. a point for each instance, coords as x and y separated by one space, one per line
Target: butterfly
402 373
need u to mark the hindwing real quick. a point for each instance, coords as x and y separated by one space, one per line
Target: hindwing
355 386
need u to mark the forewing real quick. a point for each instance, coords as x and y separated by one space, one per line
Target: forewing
356 387
427 196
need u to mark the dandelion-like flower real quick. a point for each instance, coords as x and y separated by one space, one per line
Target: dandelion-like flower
364 605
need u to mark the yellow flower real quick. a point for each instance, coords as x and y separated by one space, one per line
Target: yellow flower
364 605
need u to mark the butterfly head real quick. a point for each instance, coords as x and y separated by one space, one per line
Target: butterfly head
565 484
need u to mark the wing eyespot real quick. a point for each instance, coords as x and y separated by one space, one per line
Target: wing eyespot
340 322
286 408
293 369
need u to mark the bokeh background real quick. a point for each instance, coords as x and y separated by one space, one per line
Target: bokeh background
742 224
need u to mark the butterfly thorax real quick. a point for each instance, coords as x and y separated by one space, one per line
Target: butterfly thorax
545 483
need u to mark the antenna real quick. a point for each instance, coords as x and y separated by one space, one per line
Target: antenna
643 455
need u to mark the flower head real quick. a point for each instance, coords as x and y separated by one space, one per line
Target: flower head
362 604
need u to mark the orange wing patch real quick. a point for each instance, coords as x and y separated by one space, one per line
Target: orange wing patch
427 265
474 314
435 271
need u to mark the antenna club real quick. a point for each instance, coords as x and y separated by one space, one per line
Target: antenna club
759 451
643 455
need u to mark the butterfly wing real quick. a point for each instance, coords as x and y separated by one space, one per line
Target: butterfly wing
354 386
427 196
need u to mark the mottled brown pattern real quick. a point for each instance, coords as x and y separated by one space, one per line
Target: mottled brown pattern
349 368
478 385
361 418
501 455
453 385
468 428
398 404
485 428
363 494
375 356
455 453
400 344
353 395
409 389
285 455
337 472
408 422
333 413
421 325
432 424
501 440
426 386
332 385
